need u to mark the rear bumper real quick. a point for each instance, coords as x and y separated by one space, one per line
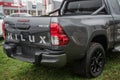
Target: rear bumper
46 57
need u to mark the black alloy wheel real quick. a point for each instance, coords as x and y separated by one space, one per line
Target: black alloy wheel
92 64
97 62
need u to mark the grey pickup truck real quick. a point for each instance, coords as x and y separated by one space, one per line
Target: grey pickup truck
81 34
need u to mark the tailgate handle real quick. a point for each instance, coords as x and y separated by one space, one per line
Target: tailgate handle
23 27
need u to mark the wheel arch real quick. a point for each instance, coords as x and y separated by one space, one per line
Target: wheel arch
102 39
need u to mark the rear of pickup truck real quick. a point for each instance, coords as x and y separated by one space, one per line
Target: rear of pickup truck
81 34
36 40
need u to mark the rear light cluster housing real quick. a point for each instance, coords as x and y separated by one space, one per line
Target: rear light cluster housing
58 36
3 29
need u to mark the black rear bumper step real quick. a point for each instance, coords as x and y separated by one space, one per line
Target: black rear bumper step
48 57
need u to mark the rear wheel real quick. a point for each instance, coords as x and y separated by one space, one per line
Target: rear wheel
93 63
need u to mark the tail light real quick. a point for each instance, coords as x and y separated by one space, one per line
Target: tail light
3 29
58 36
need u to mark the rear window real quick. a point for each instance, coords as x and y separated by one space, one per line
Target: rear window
83 7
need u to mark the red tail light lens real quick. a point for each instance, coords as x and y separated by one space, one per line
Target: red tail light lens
3 29
58 36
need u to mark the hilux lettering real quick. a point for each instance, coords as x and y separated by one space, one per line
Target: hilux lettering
42 39
10 36
16 36
22 39
30 38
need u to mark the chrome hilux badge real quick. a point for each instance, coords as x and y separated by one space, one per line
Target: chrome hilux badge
31 38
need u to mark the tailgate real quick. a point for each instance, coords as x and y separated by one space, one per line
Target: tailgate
28 31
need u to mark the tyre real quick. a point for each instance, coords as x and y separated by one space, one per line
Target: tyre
93 63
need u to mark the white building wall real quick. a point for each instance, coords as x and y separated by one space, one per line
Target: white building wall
29 4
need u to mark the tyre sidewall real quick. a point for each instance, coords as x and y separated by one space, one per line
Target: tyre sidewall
89 55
